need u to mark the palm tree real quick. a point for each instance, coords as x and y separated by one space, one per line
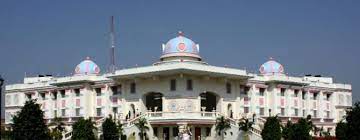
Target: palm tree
142 126
245 125
56 132
221 125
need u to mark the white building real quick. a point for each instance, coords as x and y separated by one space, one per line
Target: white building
182 90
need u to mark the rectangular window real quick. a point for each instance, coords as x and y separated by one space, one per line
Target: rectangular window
328 97
303 95
175 131
63 112
133 88
315 95
304 113
327 114
155 131
242 89
296 112
296 93
98 91
55 113
208 131
114 90
282 111
28 96
172 85
42 96
77 92
228 88
62 93
315 113
54 95
247 89
246 109
98 112
189 84
282 91
77 112
262 91
115 110
262 113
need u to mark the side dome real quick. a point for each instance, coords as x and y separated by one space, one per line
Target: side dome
87 67
180 46
271 67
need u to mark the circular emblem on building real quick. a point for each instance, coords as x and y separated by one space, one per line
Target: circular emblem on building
262 69
77 70
281 69
97 70
189 106
181 47
172 106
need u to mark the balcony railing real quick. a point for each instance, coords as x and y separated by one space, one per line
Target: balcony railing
181 115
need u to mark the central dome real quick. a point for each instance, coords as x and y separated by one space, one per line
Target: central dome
180 47
271 67
87 67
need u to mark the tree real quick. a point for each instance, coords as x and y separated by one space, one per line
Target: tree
83 129
141 124
272 129
353 122
221 125
245 125
56 132
120 129
301 130
340 131
287 130
110 129
29 123
6 134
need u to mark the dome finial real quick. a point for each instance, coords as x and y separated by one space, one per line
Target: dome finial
180 33
271 58
87 58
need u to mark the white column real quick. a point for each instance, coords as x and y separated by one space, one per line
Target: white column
321 106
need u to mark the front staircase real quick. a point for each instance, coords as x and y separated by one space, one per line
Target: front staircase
130 128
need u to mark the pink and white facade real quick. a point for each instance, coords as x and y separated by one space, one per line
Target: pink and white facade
182 91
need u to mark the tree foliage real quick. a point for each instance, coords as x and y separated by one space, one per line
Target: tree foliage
83 129
221 125
245 125
353 122
300 130
58 128
55 134
110 129
29 123
287 130
141 124
272 129
340 131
